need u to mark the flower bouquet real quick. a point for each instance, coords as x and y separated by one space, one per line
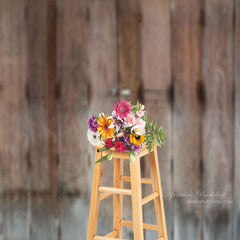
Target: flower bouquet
126 130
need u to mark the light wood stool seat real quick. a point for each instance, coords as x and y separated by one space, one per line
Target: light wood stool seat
100 192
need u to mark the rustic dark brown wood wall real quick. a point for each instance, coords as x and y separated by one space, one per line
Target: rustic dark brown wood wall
62 60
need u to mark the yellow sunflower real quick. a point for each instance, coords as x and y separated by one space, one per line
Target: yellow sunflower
104 130
137 139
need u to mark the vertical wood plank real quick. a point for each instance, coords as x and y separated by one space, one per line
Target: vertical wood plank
14 147
218 118
117 198
186 73
73 75
13 110
156 74
36 14
236 209
44 208
129 51
103 85
72 90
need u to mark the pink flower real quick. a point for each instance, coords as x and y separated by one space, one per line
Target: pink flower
122 108
130 120
140 113
141 122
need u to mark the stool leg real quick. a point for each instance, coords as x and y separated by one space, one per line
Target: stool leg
158 202
136 199
117 198
95 198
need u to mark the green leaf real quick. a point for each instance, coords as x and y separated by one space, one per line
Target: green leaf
155 127
151 124
107 157
132 156
104 148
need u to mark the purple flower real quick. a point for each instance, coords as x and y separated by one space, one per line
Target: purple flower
136 148
127 140
92 124
127 148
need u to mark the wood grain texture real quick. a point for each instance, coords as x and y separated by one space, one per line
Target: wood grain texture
156 77
187 156
37 90
218 118
14 145
236 209
73 75
44 201
13 109
103 86
72 93
129 52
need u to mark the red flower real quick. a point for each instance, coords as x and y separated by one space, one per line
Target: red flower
119 146
109 143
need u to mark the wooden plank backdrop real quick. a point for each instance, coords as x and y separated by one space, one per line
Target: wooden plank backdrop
61 61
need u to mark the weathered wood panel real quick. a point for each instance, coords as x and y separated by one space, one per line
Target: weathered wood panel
186 73
236 207
73 76
72 90
129 51
14 211
37 92
156 77
44 208
13 111
218 118
103 83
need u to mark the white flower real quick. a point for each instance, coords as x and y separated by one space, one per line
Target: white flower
94 138
101 114
138 129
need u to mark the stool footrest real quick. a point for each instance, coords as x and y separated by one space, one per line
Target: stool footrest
149 198
145 225
105 195
107 238
115 190
143 180
112 234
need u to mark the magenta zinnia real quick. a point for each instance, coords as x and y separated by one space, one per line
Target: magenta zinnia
122 108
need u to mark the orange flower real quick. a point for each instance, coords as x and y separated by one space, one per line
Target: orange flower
103 128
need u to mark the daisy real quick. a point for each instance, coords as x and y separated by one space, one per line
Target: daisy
105 131
94 138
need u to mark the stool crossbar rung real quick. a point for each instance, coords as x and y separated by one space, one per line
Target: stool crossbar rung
149 198
115 190
145 225
106 238
143 180
112 234
100 192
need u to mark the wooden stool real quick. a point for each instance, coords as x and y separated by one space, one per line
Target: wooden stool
100 192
